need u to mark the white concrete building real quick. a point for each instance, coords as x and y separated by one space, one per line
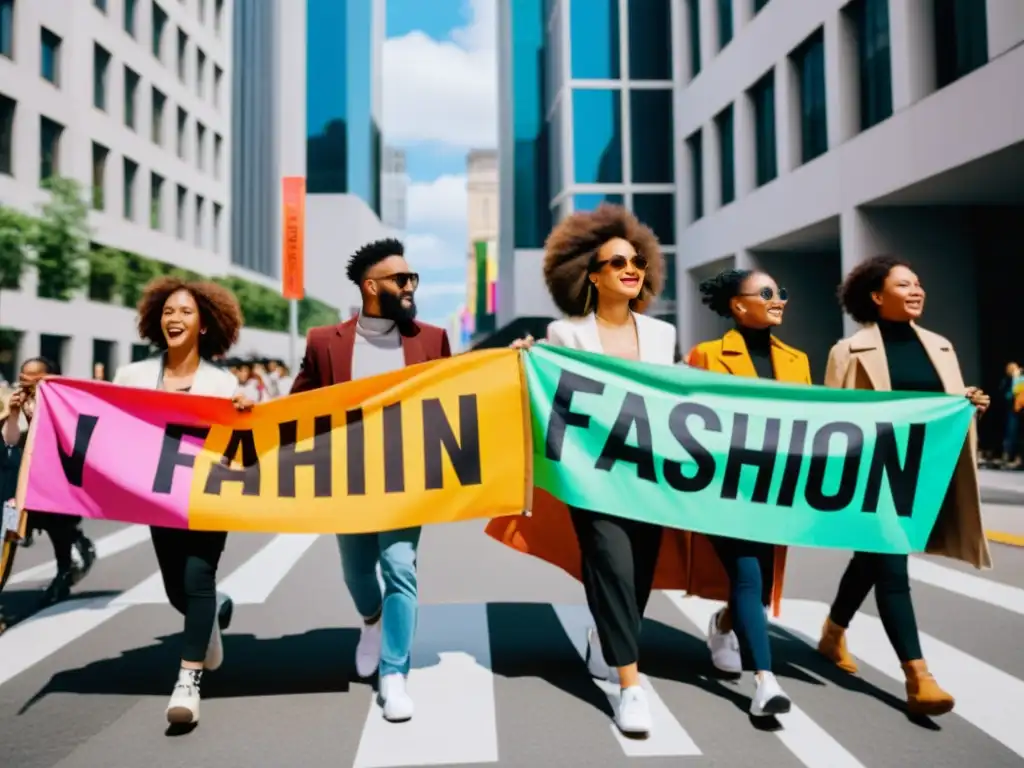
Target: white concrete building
394 191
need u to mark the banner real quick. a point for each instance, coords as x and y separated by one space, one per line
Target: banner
739 457
432 443
293 237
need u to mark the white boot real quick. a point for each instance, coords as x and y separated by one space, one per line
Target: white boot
368 648
394 699
215 650
183 708
769 698
596 665
724 647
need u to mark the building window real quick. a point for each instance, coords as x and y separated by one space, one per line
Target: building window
156 201
651 135
724 23
159 25
218 84
129 17
180 212
100 67
218 151
650 41
198 232
218 16
131 170
182 55
100 5
693 17
7 28
766 151
809 60
218 210
157 118
594 40
961 39
131 96
182 133
759 5
597 136
659 213
50 134
200 146
871 20
99 176
200 73
590 202
49 56
7 110
668 290
695 146
724 124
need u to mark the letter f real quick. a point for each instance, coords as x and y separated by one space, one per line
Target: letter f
562 414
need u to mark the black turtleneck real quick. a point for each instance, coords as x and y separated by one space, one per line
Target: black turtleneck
910 368
759 346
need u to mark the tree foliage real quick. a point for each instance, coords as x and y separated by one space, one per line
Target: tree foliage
15 236
61 241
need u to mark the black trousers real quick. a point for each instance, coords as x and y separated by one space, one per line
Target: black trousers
888 575
188 563
62 530
618 561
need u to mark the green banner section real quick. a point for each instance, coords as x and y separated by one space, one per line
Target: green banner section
740 457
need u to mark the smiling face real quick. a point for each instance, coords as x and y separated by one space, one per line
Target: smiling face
392 285
901 298
619 272
760 303
180 322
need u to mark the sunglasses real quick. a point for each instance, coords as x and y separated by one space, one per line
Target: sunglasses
403 279
767 293
621 262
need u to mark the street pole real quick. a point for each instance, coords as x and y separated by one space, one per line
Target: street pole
293 195
293 336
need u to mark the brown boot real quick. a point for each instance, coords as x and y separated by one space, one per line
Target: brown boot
833 647
924 696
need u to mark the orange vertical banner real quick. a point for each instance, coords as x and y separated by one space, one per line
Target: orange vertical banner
293 279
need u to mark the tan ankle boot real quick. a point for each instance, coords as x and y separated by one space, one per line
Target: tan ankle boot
833 647
924 696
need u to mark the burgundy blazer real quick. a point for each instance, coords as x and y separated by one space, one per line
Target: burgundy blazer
328 358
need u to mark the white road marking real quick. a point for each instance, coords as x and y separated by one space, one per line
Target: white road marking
668 738
809 742
966 584
452 687
254 581
113 544
986 697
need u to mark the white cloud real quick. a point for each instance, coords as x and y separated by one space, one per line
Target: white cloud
441 290
437 204
444 91
428 252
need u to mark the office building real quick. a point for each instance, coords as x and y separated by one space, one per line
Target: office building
482 231
394 191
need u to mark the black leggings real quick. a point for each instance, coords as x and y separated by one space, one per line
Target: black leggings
750 567
888 575
62 530
188 563
618 561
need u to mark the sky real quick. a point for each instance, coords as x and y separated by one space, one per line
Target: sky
440 101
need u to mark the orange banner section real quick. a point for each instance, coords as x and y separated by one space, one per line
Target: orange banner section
293 255
434 443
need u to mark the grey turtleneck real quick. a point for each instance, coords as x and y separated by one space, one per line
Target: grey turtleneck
377 349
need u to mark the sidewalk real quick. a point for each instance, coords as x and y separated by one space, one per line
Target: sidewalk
1003 506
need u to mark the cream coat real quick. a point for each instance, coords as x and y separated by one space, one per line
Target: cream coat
209 379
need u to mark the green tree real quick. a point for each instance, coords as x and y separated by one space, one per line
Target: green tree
108 273
60 241
15 234
313 312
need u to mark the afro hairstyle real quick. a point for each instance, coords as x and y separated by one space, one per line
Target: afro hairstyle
371 254
868 277
718 291
218 311
571 249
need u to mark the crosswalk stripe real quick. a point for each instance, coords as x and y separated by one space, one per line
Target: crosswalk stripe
809 742
452 685
253 582
108 546
986 697
667 738
966 584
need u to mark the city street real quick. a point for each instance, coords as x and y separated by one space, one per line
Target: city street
497 673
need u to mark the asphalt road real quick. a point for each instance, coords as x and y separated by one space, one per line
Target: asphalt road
497 675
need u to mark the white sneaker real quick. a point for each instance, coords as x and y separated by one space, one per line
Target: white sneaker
394 699
632 715
368 649
215 650
724 647
596 665
769 698
183 708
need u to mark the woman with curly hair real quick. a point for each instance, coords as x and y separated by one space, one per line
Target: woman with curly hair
755 304
893 353
602 268
190 322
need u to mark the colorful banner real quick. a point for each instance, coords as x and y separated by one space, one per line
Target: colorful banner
293 256
739 457
433 443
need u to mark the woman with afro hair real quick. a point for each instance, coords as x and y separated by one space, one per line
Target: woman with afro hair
755 304
893 353
190 323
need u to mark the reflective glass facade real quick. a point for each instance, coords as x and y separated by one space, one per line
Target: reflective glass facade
594 40
597 136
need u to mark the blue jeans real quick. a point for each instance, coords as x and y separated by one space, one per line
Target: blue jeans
396 553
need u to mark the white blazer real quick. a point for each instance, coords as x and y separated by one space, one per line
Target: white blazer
656 338
209 379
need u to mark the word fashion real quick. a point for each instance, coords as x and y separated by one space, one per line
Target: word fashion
598 450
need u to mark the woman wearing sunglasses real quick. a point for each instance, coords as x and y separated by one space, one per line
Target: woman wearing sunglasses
755 304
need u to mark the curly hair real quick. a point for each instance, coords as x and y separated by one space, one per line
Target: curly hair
219 313
370 254
571 251
717 291
866 278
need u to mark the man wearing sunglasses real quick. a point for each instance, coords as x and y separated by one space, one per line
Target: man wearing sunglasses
384 337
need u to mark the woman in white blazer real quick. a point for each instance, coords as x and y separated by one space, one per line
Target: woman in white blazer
602 268
190 323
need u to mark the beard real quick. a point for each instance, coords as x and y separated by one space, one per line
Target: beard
391 307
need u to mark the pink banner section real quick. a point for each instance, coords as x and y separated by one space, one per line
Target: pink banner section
87 435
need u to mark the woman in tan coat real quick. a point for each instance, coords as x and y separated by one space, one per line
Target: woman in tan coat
892 353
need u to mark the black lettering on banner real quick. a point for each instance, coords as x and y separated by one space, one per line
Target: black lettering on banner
394 457
171 457
73 463
438 433
794 461
318 457
902 478
355 452
633 413
562 414
248 474
814 490
701 456
763 459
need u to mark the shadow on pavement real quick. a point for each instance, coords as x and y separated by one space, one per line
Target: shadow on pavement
21 605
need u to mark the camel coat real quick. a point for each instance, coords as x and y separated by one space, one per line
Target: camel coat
859 362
